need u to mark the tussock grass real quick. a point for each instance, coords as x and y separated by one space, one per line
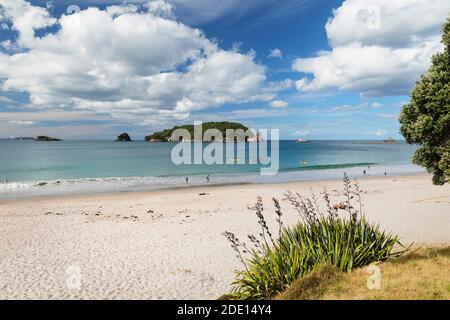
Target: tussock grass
423 274
311 286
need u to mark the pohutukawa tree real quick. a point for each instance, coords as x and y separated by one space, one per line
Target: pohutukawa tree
425 120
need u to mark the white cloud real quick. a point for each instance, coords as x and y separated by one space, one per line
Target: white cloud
276 53
278 104
7 100
379 133
49 116
376 105
397 23
25 18
378 47
22 122
301 133
122 62
161 8
9 45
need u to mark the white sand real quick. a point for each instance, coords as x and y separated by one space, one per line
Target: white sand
178 250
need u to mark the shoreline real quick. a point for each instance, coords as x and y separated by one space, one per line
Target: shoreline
169 244
174 189
251 179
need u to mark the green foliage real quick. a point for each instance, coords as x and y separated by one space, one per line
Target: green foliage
425 120
343 242
221 126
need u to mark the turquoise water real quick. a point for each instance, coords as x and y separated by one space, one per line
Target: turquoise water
103 166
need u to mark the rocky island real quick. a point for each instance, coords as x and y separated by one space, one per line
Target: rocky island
124 137
45 138
167 134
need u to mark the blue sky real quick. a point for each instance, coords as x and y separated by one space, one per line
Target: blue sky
320 69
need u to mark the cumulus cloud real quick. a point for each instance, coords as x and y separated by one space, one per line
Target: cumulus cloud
378 47
124 62
276 53
161 8
385 22
278 104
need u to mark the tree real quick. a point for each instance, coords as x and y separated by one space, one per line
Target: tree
425 120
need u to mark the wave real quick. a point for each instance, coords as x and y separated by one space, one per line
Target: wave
330 166
26 189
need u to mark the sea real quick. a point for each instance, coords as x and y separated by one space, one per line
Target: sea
38 169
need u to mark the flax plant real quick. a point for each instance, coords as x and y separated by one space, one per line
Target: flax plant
341 237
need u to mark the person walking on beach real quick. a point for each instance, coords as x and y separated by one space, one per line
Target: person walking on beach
187 180
6 180
364 172
208 180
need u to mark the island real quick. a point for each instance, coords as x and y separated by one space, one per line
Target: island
390 141
167 134
124 137
23 138
45 138
387 141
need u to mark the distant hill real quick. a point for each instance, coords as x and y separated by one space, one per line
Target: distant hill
387 141
166 135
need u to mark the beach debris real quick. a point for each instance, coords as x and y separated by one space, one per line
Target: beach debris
55 213
41 184
150 211
203 194
340 205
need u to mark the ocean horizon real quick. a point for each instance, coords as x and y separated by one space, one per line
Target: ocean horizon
97 166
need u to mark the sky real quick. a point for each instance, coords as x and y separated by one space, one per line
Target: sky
314 69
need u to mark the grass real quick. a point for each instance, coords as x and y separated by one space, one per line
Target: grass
340 237
423 274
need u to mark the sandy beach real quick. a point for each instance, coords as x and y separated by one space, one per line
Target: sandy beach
169 244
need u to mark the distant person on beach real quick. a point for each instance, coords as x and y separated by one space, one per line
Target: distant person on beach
385 173
187 180
208 180
6 180
364 172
